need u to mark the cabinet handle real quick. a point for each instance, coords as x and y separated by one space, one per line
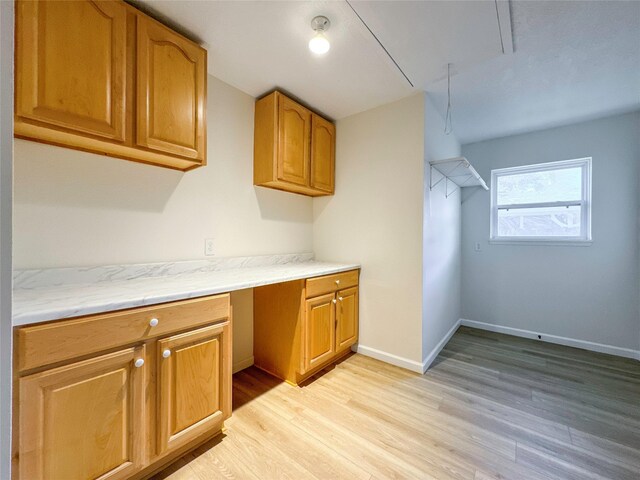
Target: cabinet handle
139 362
337 282
153 322
166 353
334 301
340 298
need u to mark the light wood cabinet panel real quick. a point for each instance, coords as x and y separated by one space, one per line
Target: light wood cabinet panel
331 283
53 342
102 77
346 319
319 331
71 65
300 327
277 315
323 147
284 148
84 420
194 386
171 80
293 152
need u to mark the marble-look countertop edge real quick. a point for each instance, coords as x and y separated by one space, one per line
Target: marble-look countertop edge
24 316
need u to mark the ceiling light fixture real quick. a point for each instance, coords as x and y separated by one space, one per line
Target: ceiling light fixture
319 43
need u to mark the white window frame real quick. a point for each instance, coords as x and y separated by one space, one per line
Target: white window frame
585 203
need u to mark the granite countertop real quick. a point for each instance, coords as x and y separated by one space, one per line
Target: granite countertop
52 294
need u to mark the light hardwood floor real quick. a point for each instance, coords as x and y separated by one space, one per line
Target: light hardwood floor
491 406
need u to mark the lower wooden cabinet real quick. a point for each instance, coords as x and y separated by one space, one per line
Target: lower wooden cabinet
319 331
346 319
127 412
299 327
194 368
84 420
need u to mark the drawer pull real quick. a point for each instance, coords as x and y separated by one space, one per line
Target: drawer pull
153 322
139 362
166 353
337 282
335 301
340 298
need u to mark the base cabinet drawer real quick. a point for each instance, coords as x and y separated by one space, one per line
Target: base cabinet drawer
194 386
63 340
331 283
85 420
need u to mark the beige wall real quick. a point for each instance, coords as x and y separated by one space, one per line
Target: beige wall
375 218
74 208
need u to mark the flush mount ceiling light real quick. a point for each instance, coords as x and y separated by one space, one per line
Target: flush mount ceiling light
319 43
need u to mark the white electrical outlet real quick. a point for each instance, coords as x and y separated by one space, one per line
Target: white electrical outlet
477 247
208 246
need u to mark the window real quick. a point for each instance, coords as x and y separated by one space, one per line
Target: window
544 203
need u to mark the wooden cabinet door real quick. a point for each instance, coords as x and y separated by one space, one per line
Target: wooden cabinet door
171 79
194 388
323 147
319 331
71 65
84 420
347 318
294 132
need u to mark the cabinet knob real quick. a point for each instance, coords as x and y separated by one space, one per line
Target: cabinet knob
340 298
139 362
153 322
337 282
166 353
335 301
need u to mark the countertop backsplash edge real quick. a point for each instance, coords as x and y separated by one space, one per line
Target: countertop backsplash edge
48 277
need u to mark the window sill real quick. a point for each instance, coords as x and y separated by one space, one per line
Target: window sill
531 242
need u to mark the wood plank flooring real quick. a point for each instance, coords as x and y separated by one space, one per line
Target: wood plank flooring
492 406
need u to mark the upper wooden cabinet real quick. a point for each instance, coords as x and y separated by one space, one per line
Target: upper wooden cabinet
101 76
171 92
323 154
293 142
71 66
294 148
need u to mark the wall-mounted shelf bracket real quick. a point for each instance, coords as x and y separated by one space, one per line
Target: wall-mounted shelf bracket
457 171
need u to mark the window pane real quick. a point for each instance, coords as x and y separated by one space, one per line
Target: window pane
540 222
539 187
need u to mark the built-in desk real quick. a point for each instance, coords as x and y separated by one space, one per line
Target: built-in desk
121 369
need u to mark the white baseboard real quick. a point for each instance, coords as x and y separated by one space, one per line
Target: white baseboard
405 362
389 358
426 363
242 364
570 342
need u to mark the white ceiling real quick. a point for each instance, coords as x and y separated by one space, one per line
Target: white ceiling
259 45
572 60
